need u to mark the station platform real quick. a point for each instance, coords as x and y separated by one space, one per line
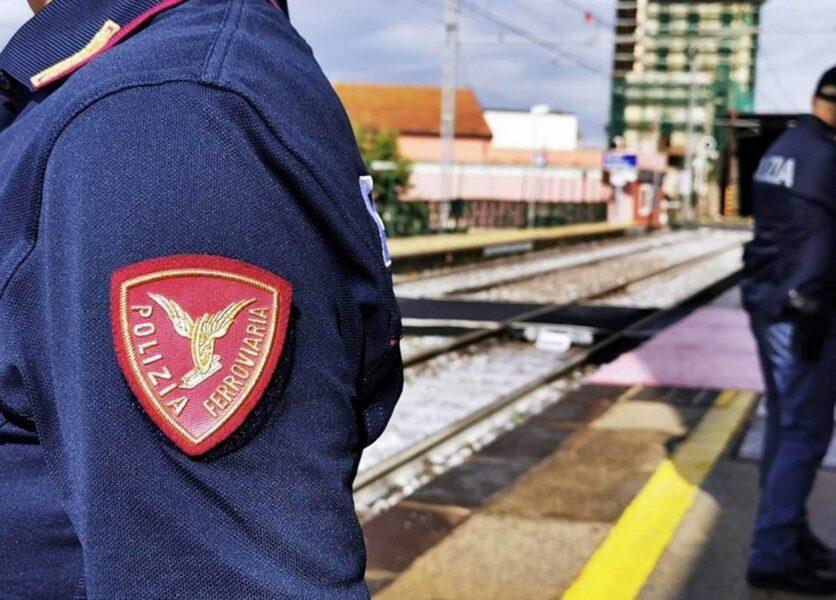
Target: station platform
426 251
641 483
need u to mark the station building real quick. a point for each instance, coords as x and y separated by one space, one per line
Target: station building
512 167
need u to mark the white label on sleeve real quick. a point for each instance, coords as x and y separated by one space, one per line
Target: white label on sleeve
776 170
366 187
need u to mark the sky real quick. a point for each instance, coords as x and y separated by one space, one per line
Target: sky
401 41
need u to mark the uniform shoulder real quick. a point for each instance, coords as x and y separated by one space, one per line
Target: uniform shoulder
174 45
174 151
179 62
802 160
248 75
190 41
248 47
808 142
816 167
270 64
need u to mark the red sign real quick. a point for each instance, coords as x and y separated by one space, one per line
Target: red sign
198 339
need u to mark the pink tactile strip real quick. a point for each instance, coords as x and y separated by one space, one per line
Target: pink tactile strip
711 348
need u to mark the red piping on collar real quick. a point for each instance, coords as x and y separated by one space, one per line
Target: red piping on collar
120 35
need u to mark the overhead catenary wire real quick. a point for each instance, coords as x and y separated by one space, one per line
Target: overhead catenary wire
553 47
586 12
535 39
588 16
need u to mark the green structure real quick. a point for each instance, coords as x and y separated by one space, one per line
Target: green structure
678 66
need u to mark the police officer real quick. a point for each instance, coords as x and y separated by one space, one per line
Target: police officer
198 333
790 294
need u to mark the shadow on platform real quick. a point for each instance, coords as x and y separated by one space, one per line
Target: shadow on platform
706 559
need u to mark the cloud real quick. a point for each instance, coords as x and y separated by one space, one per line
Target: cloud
405 40
792 54
519 76
400 41
404 45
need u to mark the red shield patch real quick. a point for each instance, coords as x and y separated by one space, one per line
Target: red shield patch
198 339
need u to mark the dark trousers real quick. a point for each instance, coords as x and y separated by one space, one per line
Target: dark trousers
800 403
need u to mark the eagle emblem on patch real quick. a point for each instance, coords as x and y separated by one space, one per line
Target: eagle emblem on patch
198 339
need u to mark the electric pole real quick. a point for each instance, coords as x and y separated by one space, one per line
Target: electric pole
449 85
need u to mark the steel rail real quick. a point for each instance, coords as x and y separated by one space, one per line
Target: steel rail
513 259
501 327
587 263
416 451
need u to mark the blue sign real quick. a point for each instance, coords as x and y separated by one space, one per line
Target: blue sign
618 161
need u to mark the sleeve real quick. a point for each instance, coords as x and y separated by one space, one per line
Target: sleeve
814 213
176 179
814 270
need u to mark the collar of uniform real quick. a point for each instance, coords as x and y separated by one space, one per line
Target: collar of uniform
65 35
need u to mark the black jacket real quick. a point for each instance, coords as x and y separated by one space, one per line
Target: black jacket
794 249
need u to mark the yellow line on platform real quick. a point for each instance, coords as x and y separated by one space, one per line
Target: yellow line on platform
627 557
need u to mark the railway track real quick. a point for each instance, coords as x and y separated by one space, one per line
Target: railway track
498 329
390 478
449 281
473 289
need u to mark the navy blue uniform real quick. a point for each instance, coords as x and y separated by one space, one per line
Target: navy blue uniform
197 133
790 293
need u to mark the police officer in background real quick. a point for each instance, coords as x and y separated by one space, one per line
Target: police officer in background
790 293
198 333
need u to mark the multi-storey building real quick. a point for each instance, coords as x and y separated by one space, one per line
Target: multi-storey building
678 61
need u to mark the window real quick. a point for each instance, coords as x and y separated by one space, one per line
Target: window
665 135
661 59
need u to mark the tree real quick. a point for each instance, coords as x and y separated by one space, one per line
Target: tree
391 173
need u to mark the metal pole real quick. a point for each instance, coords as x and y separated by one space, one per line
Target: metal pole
539 112
449 85
689 138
